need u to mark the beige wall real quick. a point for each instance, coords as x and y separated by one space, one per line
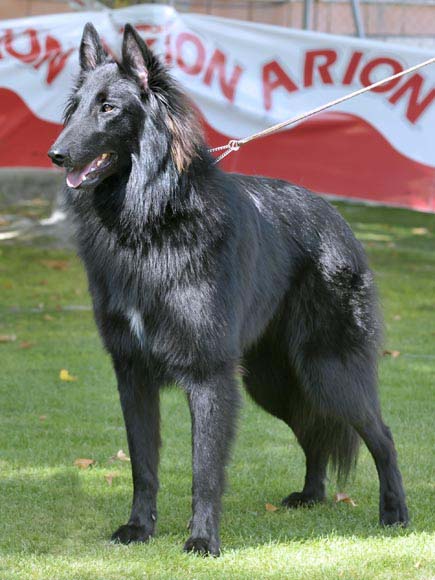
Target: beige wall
20 8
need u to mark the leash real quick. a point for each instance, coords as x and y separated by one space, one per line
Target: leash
235 144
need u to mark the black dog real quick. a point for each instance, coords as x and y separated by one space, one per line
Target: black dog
194 272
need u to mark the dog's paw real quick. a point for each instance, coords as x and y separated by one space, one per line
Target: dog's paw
129 533
300 499
393 511
202 546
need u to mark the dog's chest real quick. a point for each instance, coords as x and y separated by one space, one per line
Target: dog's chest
136 296
136 324
155 307
142 319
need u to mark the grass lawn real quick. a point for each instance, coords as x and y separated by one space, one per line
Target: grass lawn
56 518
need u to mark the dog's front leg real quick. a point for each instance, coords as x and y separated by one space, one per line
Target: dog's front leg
213 406
139 397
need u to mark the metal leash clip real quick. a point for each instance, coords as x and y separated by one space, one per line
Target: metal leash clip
232 145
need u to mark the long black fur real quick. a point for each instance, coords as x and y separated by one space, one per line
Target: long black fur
195 273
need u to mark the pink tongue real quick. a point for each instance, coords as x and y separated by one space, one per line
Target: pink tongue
76 177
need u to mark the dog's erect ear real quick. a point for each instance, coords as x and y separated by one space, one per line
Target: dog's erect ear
137 59
92 52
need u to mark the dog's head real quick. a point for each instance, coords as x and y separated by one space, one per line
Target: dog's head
119 111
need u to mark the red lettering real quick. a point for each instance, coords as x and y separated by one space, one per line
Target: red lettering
198 64
218 64
328 57
366 79
34 46
273 77
55 58
417 104
149 28
351 68
168 51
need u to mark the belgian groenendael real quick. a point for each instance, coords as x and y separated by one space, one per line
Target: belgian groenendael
195 274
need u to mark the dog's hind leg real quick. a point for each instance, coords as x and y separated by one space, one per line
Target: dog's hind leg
377 436
139 397
344 391
271 383
316 461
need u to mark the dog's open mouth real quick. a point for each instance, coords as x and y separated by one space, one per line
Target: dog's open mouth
76 177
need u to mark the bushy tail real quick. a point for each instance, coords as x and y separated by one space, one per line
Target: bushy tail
330 438
343 444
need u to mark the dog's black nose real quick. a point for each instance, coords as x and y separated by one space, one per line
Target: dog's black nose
57 157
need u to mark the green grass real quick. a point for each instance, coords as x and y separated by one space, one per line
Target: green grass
56 519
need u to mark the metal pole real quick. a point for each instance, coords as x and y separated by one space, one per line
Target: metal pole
359 24
308 14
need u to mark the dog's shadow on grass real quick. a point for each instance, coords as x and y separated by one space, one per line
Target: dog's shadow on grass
67 507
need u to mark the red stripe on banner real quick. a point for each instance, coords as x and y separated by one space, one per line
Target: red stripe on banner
24 138
340 154
335 153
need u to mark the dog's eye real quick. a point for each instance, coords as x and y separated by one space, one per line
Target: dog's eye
106 108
